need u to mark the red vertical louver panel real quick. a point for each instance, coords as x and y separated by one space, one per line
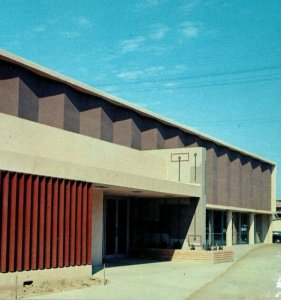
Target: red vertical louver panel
21 194
61 222
42 205
72 223
44 222
55 224
78 224
35 213
89 225
4 220
48 224
67 223
84 223
13 218
27 222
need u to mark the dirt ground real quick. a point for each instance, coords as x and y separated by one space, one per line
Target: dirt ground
47 287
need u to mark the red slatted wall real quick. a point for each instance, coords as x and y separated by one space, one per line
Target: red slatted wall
44 222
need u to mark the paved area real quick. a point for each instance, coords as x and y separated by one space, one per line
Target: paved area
174 280
256 275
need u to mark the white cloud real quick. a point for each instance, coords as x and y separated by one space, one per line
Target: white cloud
180 68
70 34
149 3
39 29
129 75
190 5
152 70
189 29
132 44
83 21
158 32
170 84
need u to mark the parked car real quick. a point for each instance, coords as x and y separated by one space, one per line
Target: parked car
276 236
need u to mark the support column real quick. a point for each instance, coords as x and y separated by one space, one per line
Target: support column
267 221
97 230
235 227
252 229
229 228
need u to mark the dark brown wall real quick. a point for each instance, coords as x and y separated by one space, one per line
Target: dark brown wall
28 103
44 222
51 111
174 138
231 178
71 116
9 95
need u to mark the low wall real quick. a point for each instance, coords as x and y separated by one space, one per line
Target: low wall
214 256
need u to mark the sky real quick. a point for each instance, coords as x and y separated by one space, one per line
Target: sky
212 65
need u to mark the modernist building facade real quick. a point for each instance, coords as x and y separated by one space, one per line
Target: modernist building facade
86 176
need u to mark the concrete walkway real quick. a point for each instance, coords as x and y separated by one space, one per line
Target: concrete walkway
152 280
256 275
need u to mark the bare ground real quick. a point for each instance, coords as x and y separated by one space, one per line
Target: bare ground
47 287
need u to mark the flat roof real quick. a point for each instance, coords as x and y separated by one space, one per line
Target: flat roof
44 72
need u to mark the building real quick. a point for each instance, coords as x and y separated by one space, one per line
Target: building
86 176
278 208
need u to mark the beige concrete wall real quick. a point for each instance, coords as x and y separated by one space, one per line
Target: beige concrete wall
238 209
276 225
39 149
273 189
188 156
191 159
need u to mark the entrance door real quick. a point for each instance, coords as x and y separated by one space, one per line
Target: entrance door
116 227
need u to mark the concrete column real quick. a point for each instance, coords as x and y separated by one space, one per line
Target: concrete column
234 229
229 227
97 230
267 221
197 227
252 229
211 228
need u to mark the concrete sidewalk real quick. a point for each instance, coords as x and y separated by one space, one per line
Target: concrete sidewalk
142 279
255 276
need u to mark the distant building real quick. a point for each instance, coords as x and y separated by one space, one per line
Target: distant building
86 176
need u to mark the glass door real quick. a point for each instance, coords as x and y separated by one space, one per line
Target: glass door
116 227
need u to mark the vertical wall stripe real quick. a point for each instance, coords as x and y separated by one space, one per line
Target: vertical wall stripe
61 223
44 222
67 223
12 219
84 224
27 223
78 224
89 225
21 193
72 223
55 223
48 224
1 203
4 221
35 182
42 201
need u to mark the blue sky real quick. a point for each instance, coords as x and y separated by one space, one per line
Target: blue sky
212 65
